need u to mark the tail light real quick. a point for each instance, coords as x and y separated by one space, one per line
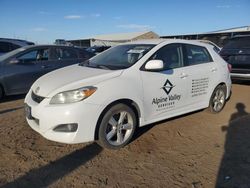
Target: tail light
229 66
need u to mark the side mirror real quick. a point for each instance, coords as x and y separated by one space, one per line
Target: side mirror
14 61
154 65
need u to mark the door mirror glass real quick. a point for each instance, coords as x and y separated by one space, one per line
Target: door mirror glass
154 65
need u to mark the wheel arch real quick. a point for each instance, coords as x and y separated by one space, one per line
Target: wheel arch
222 84
131 103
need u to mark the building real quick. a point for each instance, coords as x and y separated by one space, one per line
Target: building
219 37
113 39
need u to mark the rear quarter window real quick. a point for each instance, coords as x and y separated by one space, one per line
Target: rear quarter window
196 55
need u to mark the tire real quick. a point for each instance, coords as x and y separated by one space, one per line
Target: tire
117 127
218 99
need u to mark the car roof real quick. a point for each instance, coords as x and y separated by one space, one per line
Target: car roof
47 46
167 41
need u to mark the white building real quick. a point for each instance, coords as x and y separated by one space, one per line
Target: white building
113 39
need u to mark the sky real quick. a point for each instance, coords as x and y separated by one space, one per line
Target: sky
43 21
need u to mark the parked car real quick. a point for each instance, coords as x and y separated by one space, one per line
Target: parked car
237 53
63 42
97 49
7 45
21 67
128 86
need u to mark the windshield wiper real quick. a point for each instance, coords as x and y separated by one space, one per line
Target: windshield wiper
103 67
84 63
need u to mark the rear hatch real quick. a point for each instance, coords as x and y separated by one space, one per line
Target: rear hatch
237 53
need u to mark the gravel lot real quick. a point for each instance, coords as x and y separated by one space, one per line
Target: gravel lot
195 150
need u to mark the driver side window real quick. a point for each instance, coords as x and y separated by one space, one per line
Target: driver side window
171 55
34 55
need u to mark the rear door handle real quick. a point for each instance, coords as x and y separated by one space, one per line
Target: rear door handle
214 69
183 75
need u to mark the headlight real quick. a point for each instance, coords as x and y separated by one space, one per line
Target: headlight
73 96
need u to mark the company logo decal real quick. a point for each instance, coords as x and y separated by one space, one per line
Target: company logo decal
168 86
169 101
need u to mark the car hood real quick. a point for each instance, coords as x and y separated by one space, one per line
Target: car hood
71 77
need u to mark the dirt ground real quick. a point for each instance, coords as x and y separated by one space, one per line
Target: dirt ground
195 150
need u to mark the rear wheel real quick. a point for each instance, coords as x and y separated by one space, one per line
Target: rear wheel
218 99
117 127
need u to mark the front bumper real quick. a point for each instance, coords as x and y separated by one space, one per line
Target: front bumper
46 117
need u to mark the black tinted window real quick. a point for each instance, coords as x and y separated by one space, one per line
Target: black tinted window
197 55
239 42
171 55
14 46
85 54
7 47
4 47
62 54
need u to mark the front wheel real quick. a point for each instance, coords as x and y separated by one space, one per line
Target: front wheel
218 99
117 127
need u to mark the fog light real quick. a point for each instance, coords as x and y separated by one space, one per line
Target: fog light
71 127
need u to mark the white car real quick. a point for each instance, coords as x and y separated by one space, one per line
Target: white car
125 87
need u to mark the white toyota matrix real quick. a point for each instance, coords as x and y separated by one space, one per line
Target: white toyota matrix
128 86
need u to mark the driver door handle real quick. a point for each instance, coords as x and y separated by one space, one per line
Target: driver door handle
183 75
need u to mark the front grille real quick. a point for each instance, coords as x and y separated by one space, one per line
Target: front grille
36 98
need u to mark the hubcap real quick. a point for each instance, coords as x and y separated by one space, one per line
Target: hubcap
119 128
218 100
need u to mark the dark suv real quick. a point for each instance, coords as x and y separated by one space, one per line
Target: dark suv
21 67
7 45
237 53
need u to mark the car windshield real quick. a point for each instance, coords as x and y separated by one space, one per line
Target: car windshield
10 54
238 42
119 57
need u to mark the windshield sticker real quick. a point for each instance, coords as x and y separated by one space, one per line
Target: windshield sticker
135 51
169 101
199 87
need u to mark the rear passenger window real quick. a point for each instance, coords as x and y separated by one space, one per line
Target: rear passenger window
64 54
197 55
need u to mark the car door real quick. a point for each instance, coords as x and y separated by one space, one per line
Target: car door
165 91
202 75
27 67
